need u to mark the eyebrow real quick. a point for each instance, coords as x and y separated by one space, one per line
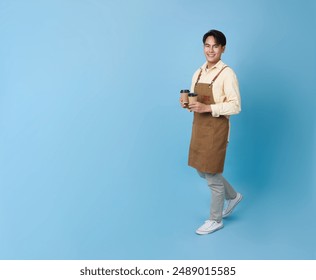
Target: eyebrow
206 44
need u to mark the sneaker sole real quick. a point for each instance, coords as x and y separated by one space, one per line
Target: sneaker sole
231 210
208 232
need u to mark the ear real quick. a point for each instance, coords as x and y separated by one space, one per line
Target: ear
223 49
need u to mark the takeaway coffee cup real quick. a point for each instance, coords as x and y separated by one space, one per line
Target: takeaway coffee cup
192 97
184 96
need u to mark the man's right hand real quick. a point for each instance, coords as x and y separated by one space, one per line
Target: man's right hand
183 105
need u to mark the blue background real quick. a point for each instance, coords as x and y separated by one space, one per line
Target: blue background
93 143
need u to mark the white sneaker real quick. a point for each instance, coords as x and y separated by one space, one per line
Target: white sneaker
232 203
209 226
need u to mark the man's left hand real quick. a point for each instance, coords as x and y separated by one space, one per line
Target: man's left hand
200 107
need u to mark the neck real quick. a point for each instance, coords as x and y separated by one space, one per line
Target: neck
211 64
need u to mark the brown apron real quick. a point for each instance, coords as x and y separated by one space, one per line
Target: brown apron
209 134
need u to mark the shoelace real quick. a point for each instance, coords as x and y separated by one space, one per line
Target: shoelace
209 222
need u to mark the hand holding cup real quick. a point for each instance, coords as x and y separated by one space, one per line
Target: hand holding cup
184 99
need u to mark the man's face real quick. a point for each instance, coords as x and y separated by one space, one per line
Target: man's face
212 51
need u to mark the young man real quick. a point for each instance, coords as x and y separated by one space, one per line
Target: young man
218 98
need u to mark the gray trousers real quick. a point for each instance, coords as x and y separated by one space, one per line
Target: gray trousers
220 190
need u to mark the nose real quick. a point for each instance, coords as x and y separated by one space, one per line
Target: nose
211 49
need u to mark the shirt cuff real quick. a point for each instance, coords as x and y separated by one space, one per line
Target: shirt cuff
214 112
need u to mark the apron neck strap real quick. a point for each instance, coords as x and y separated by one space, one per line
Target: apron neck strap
218 74
199 76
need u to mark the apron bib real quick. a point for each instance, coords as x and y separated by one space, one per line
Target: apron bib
209 134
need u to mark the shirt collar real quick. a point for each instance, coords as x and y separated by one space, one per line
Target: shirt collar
220 64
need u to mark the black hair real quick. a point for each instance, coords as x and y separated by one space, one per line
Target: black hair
218 35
